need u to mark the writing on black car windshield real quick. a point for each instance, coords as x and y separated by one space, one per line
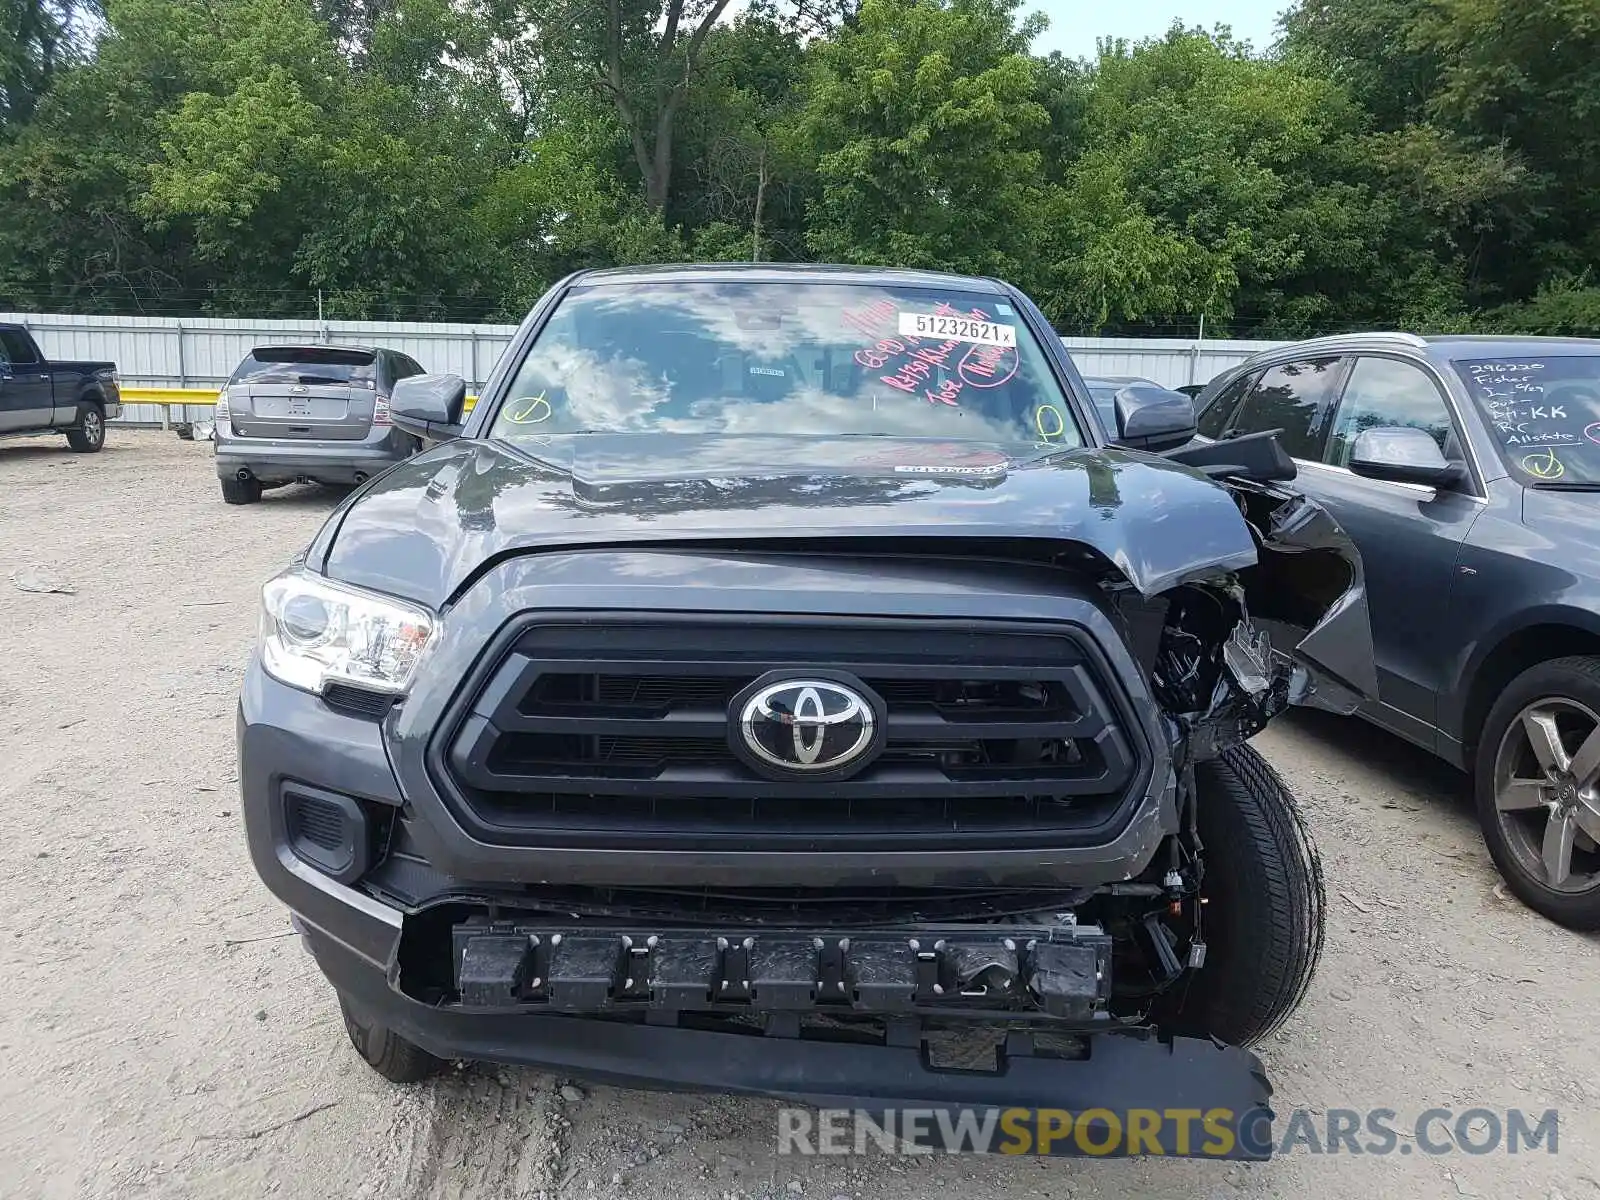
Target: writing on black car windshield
787 359
1545 413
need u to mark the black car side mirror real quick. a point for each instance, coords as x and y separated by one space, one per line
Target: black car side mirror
429 406
1153 419
1401 454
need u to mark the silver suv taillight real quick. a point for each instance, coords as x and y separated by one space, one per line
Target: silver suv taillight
380 411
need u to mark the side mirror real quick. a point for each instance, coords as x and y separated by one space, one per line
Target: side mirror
1153 419
1400 454
1191 390
429 405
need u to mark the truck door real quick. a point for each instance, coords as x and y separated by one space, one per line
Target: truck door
26 392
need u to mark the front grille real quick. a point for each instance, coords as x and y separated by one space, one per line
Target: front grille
617 734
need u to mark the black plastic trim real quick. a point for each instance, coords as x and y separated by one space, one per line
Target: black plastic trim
1120 1072
454 752
349 859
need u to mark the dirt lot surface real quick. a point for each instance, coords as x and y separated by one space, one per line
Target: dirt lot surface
164 1036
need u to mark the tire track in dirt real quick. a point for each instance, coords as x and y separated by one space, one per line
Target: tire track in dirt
480 1132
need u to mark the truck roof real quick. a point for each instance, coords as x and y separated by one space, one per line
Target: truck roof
786 273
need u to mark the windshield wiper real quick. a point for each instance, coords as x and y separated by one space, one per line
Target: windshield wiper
1547 486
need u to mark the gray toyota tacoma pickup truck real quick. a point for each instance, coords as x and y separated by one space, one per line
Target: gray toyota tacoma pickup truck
778 685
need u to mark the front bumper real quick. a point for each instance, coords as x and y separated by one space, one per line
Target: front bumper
361 945
1124 1075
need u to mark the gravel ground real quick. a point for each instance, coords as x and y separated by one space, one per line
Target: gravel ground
165 1035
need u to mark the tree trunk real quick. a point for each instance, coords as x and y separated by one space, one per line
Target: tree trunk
761 195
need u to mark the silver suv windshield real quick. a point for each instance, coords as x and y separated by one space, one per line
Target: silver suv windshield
306 365
1545 414
787 358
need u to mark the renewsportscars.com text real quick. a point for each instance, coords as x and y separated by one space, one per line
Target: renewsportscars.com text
1178 1132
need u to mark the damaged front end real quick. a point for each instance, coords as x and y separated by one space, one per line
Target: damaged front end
973 1012
1060 986
1239 648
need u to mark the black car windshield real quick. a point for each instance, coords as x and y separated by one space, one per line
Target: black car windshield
803 358
1545 413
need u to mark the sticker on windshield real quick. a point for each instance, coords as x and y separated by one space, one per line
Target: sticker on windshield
957 328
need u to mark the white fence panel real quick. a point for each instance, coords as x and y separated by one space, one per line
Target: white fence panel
196 352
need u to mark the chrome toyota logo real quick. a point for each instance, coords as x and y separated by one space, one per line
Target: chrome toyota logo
807 725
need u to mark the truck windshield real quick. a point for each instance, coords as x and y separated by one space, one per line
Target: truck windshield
1545 413
784 358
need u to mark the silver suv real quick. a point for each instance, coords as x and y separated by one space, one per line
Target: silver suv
309 414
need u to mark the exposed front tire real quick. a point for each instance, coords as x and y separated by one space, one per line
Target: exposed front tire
90 433
1264 910
240 491
1536 781
385 1051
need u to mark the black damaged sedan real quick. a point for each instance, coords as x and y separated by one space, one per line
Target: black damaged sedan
778 670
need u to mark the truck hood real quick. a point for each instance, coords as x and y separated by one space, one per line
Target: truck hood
424 529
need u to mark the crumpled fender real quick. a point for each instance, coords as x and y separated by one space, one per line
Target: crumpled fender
1309 583
1291 629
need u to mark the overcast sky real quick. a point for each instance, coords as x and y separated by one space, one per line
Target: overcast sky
1075 24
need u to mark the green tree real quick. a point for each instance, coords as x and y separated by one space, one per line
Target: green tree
644 56
924 122
1490 110
36 41
1214 181
743 179
1371 49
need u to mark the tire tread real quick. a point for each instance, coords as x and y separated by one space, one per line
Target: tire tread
240 491
1265 938
77 440
385 1051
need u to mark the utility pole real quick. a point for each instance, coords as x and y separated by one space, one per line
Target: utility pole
1194 355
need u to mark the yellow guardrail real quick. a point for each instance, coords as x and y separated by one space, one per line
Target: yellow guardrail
169 396
180 397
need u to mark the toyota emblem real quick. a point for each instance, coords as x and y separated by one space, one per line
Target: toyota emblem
808 725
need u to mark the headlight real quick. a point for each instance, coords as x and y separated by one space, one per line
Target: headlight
314 633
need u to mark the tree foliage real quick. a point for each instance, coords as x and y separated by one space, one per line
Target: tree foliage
1389 162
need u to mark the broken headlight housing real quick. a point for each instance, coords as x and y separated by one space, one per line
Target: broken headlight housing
315 632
